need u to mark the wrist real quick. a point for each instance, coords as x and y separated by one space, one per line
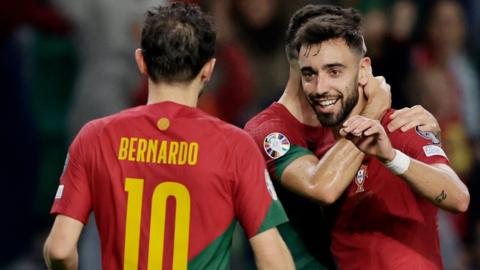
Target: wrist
391 156
399 164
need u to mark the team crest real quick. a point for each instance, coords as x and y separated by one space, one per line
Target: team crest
270 187
360 178
427 135
276 145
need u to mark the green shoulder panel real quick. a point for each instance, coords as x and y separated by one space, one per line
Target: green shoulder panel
282 162
217 254
274 217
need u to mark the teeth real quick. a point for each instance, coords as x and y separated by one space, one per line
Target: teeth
327 102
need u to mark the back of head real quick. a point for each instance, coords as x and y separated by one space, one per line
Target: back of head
177 41
331 22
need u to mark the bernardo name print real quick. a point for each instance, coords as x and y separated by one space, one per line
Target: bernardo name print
160 152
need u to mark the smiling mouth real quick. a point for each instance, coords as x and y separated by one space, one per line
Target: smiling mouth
326 102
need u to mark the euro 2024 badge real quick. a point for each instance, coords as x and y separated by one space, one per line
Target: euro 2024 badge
360 178
276 145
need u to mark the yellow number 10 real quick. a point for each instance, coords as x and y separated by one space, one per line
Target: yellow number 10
134 187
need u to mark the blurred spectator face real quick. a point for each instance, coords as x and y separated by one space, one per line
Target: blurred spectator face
375 27
258 13
404 16
446 29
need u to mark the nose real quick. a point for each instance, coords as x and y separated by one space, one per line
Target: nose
322 85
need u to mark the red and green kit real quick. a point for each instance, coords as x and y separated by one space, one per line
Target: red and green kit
167 184
283 139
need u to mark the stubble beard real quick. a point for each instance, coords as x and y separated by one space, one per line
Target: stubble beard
332 120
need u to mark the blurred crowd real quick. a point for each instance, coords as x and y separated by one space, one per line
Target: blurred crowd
63 63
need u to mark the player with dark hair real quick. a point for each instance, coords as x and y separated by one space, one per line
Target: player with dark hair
167 183
387 218
292 140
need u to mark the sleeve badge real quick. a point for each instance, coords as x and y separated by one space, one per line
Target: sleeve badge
276 145
427 135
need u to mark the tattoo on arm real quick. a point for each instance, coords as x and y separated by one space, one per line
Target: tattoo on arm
441 197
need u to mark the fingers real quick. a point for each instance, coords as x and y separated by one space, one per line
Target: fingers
408 118
359 125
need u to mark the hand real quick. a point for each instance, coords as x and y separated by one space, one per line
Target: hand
408 118
369 137
379 97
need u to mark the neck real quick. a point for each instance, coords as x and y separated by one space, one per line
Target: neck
296 102
185 93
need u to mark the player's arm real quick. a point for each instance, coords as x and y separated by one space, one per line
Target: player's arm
437 182
325 180
270 251
60 249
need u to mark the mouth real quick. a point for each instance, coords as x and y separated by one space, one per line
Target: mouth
326 104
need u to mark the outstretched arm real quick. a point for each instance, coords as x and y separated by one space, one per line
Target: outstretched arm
437 182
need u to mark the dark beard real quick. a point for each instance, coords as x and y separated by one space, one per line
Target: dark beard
331 120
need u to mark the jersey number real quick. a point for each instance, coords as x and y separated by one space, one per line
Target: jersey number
134 187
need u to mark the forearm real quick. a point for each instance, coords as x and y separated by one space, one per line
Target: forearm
439 184
335 171
271 252
275 260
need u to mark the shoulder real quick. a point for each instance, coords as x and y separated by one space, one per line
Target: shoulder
229 133
413 135
416 143
97 127
272 120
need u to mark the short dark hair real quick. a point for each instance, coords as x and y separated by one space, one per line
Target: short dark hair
177 41
298 19
316 23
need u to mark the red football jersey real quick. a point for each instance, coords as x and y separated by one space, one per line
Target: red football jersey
283 139
382 223
167 184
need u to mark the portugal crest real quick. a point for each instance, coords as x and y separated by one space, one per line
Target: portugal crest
360 178
276 145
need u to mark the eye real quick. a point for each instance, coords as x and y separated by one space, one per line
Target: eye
307 75
335 73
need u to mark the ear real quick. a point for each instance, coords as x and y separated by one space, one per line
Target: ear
141 61
207 70
365 71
